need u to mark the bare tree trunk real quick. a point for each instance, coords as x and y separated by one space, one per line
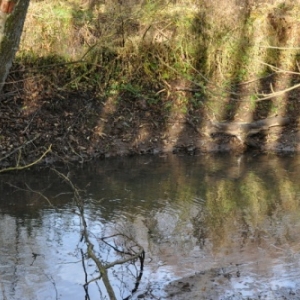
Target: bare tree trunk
12 17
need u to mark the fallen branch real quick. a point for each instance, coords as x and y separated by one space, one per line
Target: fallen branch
243 130
18 168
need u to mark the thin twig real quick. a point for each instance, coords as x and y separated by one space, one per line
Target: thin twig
19 148
280 48
279 70
276 94
34 115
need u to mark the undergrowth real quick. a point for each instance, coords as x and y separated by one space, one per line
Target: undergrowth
199 53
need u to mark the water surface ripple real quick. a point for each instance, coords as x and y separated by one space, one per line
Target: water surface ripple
212 227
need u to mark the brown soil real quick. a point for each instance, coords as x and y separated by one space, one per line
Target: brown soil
83 126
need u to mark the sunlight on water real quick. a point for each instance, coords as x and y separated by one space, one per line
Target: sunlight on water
212 228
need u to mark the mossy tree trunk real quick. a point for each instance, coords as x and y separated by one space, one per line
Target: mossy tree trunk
12 17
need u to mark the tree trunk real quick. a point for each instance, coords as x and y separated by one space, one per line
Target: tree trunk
12 17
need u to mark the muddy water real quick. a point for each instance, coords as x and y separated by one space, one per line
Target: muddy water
212 227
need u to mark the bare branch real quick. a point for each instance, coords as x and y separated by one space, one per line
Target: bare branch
18 168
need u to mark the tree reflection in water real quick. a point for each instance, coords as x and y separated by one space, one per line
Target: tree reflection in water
215 217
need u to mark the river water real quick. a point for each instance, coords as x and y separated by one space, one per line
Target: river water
212 227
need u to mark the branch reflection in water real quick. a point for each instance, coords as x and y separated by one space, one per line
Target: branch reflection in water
124 246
